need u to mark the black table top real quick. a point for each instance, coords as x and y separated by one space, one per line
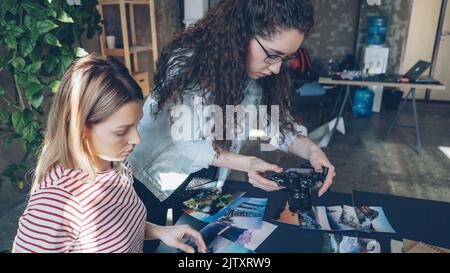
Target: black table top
414 219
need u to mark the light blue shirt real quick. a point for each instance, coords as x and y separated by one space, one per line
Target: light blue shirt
162 163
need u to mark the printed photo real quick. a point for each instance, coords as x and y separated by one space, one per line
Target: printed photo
373 219
248 214
284 215
222 245
211 201
313 219
248 238
342 218
217 243
210 205
334 243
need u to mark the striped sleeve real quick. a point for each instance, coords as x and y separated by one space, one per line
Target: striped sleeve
51 222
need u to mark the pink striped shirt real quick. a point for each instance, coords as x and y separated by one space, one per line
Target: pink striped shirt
67 214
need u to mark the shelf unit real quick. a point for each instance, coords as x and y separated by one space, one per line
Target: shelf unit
130 48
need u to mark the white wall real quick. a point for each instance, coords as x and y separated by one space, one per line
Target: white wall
194 10
421 35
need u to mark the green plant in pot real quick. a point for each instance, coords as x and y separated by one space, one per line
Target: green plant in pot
39 39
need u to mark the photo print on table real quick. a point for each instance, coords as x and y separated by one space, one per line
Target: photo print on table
336 243
316 218
220 238
337 218
248 214
211 204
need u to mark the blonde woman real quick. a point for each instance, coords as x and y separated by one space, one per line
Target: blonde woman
82 198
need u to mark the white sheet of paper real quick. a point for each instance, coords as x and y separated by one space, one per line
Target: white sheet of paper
325 140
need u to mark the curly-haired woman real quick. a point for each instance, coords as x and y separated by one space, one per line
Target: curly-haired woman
234 56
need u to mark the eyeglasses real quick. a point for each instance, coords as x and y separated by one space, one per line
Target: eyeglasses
273 59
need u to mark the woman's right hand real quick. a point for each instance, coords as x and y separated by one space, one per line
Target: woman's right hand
173 235
256 170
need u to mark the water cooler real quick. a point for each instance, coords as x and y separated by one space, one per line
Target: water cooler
376 54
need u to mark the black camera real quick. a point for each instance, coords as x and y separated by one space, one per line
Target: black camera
298 183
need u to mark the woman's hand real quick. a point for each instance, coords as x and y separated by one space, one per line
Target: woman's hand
319 160
256 169
172 236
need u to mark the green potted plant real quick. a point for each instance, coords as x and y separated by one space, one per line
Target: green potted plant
39 39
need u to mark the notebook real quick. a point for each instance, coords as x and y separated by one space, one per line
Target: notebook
410 246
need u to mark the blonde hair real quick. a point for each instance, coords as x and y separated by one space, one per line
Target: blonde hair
90 91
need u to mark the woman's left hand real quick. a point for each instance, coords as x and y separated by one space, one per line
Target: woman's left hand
319 160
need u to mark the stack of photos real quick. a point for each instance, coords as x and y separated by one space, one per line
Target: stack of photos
337 218
211 204
248 214
334 243
220 238
240 227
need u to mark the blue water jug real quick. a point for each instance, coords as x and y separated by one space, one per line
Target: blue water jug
377 30
363 103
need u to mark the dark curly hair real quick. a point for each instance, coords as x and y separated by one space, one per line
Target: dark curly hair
212 54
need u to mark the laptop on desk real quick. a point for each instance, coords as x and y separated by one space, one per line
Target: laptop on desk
414 75
417 70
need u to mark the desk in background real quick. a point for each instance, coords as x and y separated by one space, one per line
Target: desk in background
412 93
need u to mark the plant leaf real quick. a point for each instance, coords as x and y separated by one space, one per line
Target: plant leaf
33 9
51 40
45 26
66 58
13 30
9 5
31 88
17 120
10 41
80 52
37 100
28 44
30 131
18 63
29 22
53 85
50 64
28 134
33 68
64 17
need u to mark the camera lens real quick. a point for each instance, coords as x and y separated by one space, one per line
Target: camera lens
299 200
